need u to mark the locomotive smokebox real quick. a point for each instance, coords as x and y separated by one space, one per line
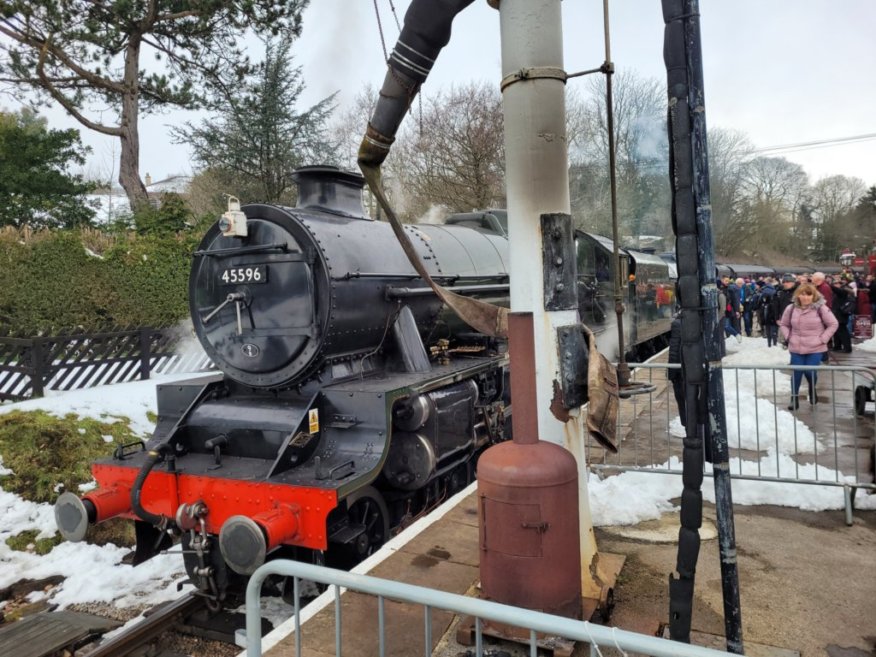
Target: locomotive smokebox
528 504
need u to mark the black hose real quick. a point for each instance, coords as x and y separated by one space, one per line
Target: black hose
426 31
152 458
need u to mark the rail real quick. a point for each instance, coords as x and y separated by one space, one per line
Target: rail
825 444
429 599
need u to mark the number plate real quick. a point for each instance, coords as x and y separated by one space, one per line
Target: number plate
244 275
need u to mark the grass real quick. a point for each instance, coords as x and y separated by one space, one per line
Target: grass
22 542
49 455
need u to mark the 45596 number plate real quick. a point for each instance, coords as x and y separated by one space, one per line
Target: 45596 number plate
244 275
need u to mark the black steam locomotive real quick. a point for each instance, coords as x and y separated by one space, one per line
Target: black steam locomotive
349 402
331 422
647 288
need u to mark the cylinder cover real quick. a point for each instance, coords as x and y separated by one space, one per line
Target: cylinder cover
411 461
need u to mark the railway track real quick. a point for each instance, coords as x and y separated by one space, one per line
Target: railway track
52 633
156 623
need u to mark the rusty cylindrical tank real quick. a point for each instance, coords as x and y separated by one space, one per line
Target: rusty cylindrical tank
528 504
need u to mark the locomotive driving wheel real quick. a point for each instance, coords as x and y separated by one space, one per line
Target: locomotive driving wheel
367 528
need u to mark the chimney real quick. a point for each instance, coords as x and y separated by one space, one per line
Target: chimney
330 189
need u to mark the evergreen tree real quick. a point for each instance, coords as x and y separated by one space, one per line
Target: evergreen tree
36 188
82 53
258 137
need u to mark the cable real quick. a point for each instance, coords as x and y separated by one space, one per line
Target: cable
394 15
380 30
803 145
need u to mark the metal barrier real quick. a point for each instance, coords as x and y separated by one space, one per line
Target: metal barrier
429 599
819 444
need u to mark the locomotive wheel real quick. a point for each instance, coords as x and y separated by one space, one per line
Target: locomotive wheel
459 478
367 509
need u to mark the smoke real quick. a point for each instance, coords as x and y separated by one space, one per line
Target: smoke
652 142
606 339
188 354
436 214
340 64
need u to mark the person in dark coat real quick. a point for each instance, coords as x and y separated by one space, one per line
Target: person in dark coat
725 312
785 294
768 312
842 304
820 282
734 300
750 301
676 376
871 291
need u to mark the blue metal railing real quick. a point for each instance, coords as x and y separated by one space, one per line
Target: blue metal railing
534 621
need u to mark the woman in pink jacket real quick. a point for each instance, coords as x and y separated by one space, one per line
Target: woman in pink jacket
807 326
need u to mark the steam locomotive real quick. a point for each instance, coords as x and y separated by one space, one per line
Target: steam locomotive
647 290
349 401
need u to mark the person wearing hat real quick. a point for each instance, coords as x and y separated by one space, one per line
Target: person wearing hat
768 312
785 294
844 304
750 299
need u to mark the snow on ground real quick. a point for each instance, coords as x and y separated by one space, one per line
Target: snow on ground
123 400
97 574
867 345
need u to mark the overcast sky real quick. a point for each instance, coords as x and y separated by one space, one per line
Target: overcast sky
782 71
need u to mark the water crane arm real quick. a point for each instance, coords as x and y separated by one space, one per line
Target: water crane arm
426 31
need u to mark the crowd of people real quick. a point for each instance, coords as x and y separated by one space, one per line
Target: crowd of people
807 314
757 306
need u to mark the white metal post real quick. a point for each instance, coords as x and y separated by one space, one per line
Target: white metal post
537 179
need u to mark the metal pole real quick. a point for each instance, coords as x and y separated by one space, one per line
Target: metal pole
702 338
623 370
537 179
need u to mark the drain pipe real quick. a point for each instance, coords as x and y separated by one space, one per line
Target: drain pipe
539 223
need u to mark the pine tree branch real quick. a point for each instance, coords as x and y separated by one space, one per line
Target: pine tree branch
69 106
44 46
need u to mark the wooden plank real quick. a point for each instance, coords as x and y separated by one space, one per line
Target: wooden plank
50 632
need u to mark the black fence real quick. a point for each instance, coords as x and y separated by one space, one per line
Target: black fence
30 366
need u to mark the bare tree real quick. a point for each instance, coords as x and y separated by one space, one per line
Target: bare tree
833 200
455 156
639 109
729 150
776 202
348 126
